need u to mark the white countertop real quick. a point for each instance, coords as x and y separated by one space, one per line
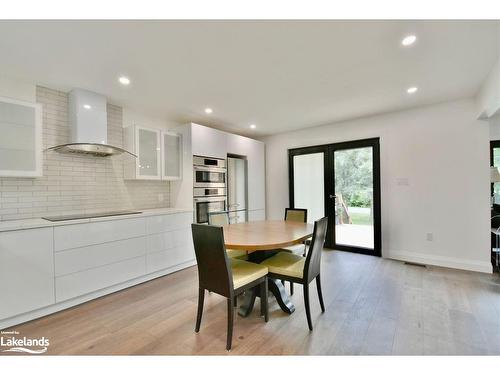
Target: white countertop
39 222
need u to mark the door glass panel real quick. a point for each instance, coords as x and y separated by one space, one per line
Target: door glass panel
17 140
148 153
204 208
496 185
354 197
308 184
172 154
210 177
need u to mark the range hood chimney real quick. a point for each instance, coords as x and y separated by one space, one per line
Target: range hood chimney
88 122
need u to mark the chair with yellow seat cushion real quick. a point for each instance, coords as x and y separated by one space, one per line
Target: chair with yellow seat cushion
299 215
237 254
286 264
296 214
218 218
246 272
220 274
297 269
222 218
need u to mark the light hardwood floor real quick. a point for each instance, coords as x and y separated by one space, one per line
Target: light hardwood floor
373 306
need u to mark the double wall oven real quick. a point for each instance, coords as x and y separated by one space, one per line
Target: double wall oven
209 190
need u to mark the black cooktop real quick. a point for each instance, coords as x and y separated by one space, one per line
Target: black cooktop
88 216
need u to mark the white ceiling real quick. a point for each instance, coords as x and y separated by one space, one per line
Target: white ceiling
280 75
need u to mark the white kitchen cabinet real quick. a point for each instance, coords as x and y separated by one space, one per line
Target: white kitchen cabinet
93 256
167 223
87 281
256 176
256 215
200 140
48 269
21 138
169 241
167 259
208 142
26 271
99 232
240 216
159 154
146 144
171 151
168 249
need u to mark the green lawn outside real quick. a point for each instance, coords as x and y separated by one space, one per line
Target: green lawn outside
360 218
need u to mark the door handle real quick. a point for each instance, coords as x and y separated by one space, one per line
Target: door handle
332 196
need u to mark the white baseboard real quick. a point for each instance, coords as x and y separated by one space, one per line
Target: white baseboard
35 314
441 261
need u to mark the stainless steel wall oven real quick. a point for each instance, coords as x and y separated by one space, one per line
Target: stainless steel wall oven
209 172
209 187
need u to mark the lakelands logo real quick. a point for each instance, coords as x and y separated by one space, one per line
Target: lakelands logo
22 344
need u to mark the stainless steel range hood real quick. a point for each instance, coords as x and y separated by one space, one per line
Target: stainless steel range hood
93 149
88 122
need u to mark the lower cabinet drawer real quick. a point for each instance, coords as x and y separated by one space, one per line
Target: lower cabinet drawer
80 283
169 258
160 242
168 240
84 258
183 237
79 235
167 223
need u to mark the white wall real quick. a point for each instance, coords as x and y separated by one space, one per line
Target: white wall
488 97
15 89
131 117
443 151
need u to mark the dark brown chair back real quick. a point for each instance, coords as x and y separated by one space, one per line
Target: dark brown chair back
313 260
214 270
296 214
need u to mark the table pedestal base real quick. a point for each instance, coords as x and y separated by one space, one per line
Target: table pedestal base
277 289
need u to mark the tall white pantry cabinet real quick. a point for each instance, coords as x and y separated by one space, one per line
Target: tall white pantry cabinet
199 140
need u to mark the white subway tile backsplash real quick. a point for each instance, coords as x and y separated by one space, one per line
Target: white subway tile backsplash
16 194
76 184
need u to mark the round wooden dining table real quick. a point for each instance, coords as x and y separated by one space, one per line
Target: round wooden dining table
261 240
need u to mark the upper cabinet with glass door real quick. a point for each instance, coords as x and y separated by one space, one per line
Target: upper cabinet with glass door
145 143
171 148
158 154
20 138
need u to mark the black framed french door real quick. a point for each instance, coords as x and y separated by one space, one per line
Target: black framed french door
341 181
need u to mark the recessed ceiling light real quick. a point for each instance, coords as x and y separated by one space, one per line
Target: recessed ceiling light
87 106
208 111
253 126
124 80
408 40
412 90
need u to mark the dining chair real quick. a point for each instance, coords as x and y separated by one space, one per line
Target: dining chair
300 215
297 269
296 214
228 278
222 218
